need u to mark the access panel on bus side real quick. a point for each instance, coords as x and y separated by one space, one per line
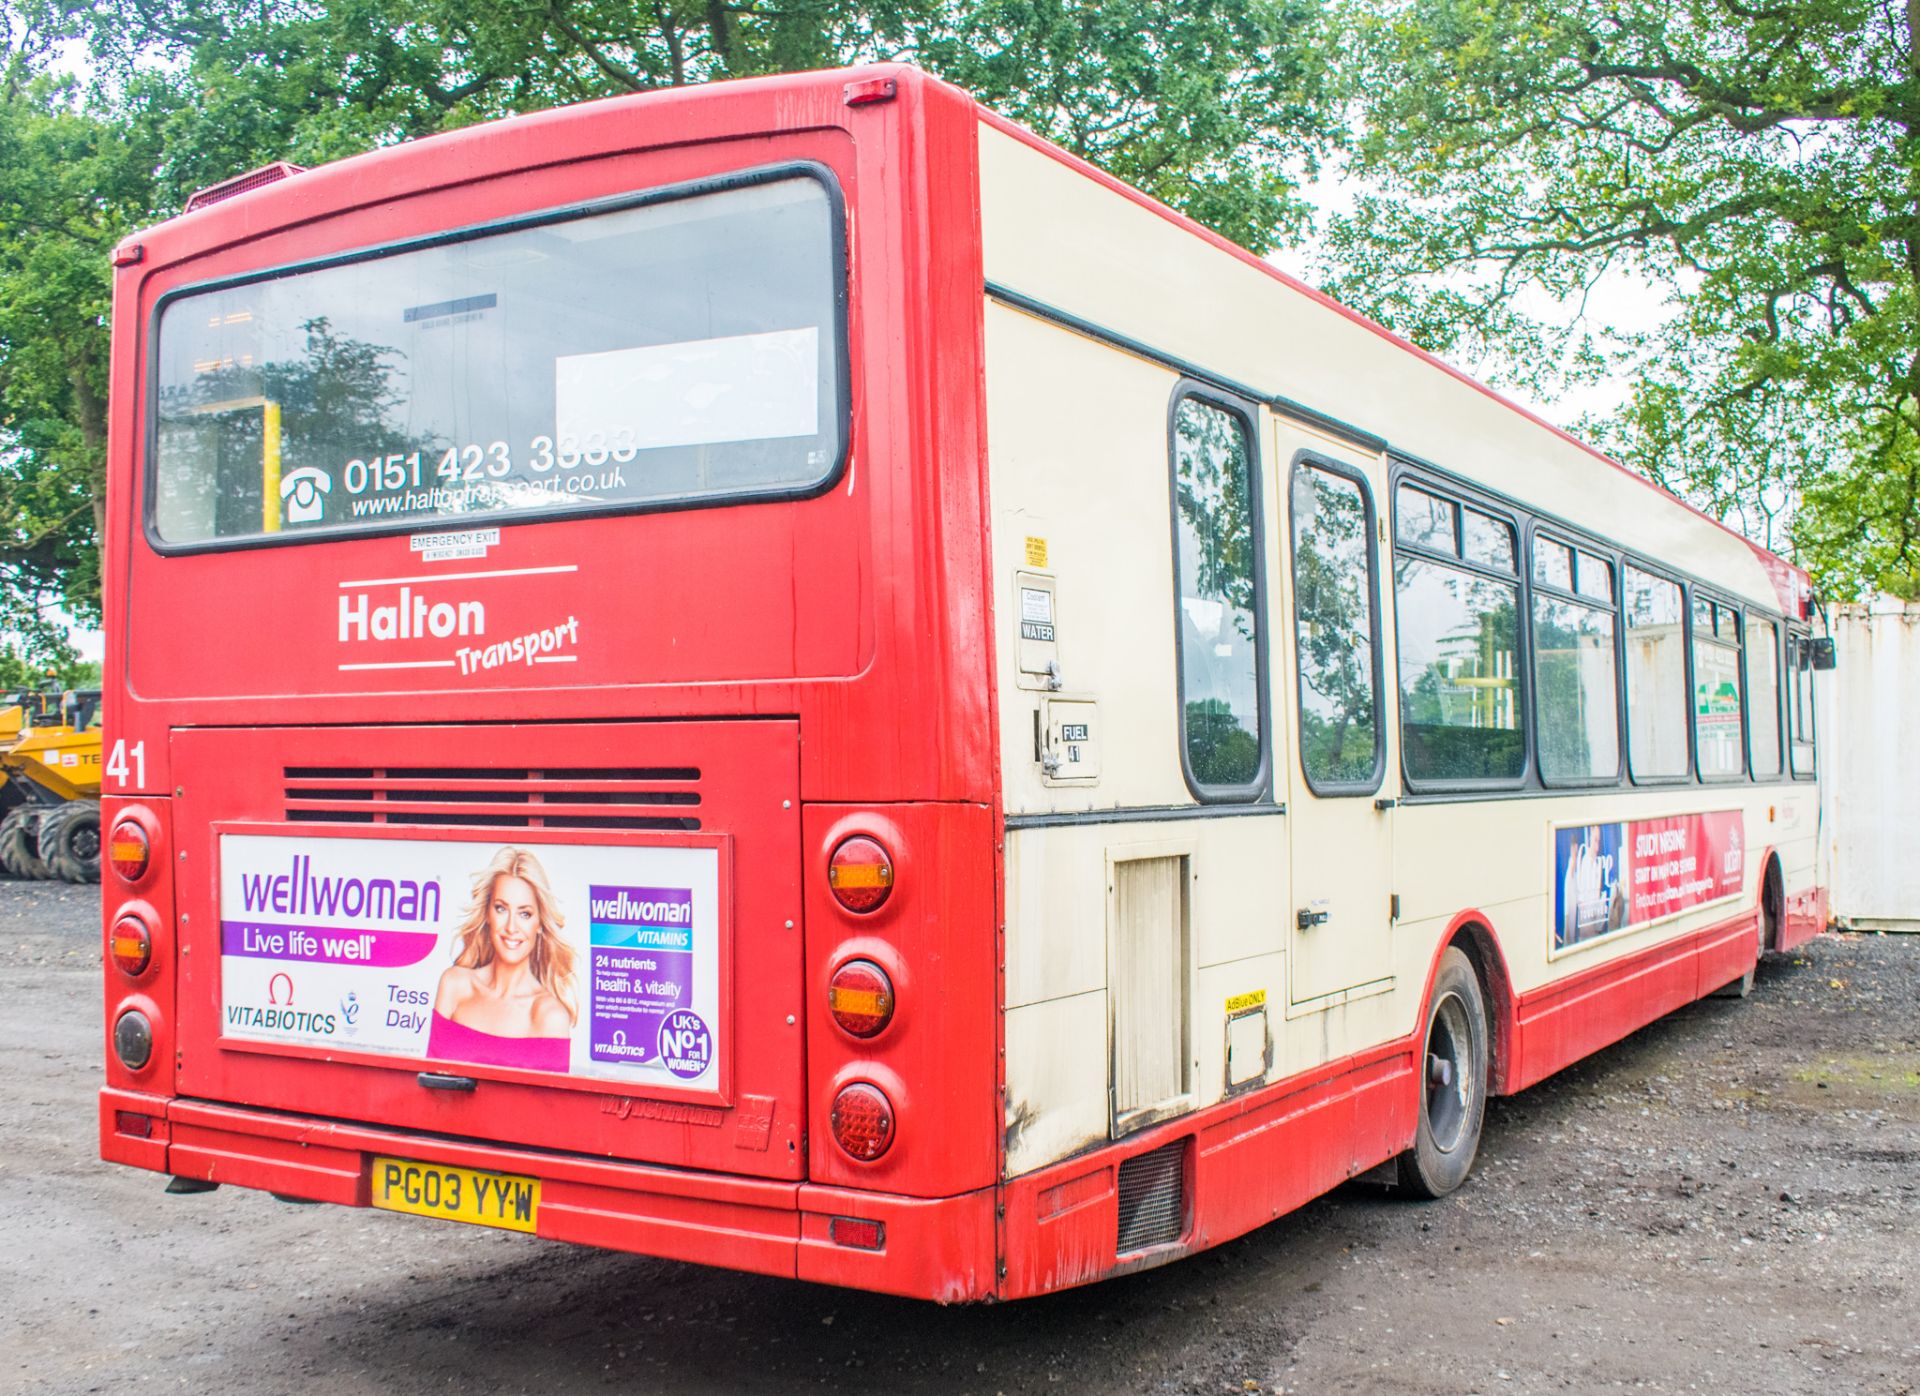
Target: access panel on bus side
596 925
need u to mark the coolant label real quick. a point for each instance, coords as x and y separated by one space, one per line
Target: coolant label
587 960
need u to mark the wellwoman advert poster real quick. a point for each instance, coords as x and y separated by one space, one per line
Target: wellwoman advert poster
588 960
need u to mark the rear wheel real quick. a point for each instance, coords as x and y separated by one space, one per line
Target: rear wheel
20 843
1768 933
1453 1096
69 841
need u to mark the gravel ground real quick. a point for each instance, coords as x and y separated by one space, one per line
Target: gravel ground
1725 1202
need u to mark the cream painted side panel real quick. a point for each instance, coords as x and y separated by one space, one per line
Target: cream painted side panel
1056 897
1101 256
1056 1080
1077 457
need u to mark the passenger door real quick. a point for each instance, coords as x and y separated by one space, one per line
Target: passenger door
1341 827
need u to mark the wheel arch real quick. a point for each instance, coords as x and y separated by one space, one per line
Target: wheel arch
1472 930
1771 900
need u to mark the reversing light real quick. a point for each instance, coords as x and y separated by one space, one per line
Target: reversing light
863 1121
860 998
129 850
133 1039
131 945
860 874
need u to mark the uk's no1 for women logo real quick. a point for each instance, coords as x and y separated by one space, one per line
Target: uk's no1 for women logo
686 1047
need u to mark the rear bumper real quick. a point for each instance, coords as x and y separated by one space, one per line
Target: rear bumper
937 1248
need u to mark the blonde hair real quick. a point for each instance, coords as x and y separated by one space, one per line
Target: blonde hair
552 959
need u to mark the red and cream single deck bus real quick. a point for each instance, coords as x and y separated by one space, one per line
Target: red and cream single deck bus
784 675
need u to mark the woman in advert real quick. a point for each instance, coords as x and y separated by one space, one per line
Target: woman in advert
508 997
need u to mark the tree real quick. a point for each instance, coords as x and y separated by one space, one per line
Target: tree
72 185
1213 105
1207 104
1759 161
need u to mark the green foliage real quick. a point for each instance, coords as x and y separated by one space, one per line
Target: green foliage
1759 162
1212 105
1204 103
71 184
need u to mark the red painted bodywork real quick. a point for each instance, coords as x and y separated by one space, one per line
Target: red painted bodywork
826 664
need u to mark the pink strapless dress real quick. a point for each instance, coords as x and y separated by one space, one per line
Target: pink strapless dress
454 1042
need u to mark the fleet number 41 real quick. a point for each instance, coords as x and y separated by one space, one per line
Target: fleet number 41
118 764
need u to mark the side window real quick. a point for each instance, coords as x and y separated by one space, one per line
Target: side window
1716 690
1576 700
1216 552
1800 705
1656 677
1335 610
1457 613
1763 698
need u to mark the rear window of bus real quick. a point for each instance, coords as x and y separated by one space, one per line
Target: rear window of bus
679 347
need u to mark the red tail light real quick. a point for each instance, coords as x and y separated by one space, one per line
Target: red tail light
861 874
860 997
129 850
131 945
863 1121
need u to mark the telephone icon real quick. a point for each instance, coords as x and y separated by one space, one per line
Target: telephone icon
302 490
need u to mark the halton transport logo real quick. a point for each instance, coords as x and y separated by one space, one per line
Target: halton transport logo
432 629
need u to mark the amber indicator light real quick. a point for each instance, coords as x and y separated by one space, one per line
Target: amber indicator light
131 945
861 874
129 851
860 997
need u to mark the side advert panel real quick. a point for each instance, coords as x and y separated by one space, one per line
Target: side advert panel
595 961
1615 877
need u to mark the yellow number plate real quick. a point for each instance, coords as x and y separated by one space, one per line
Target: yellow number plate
459 1194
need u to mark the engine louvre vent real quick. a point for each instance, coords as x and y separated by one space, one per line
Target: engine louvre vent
610 797
1153 1198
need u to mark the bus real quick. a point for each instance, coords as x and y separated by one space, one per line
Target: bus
784 675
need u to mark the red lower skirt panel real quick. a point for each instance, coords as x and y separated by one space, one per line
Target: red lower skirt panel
1558 1024
1806 917
1251 1160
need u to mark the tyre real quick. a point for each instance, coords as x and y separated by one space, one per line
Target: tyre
8 844
1772 902
20 843
69 841
1453 1095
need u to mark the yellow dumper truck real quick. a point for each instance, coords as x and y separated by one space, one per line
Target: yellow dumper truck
50 750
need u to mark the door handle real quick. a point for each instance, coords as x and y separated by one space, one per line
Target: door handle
1309 918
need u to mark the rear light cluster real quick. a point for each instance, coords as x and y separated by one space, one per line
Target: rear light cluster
860 1000
863 1121
129 851
131 945
860 997
861 875
130 937
133 1039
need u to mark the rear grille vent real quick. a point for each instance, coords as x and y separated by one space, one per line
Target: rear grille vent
609 797
1153 1198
